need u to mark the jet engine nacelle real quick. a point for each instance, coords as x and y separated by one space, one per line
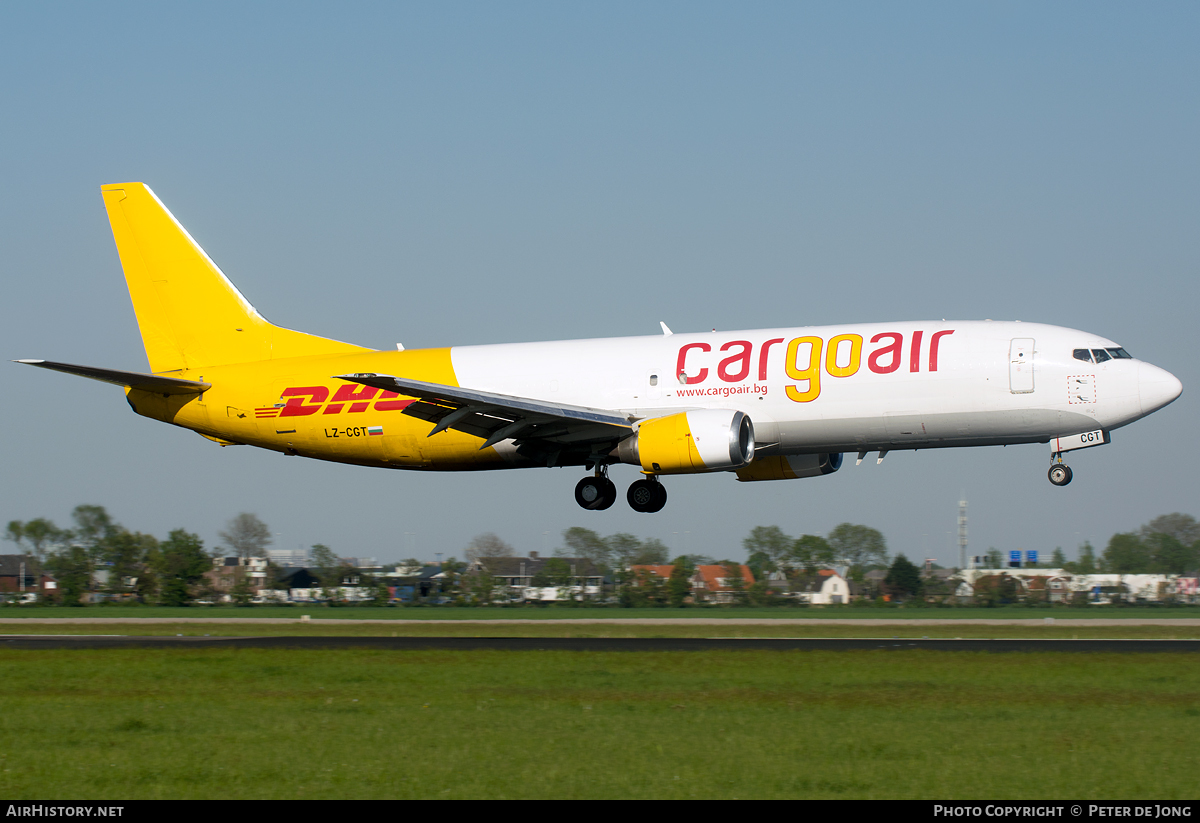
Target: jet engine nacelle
695 441
791 466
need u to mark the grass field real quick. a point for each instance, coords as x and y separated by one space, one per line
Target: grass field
585 613
906 629
177 723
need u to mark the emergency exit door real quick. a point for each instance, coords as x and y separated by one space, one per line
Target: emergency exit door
1020 365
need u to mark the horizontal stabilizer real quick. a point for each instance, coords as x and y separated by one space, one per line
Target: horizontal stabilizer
134 380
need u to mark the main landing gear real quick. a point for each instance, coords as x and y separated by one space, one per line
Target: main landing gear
647 495
1060 473
598 493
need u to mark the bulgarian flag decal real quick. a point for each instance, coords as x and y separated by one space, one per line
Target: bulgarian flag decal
373 430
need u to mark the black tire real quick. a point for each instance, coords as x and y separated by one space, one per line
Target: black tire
641 495
589 492
660 497
609 495
1060 475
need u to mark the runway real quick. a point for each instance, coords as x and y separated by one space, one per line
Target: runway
596 644
908 622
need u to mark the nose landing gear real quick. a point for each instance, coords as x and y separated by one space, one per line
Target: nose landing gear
1060 474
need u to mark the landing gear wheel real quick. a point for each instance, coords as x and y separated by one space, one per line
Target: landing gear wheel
1060 475
647 496
609 496
595 493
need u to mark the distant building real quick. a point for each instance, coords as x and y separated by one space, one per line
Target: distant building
362 562
17 576
650 572
1059 585
227 572
516 574
712 584
288 558
825 588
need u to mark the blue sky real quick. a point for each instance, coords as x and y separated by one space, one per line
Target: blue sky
440 174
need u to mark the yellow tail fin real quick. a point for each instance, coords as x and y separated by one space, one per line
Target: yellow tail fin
189 314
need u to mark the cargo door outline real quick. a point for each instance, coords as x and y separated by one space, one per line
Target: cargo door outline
1020 365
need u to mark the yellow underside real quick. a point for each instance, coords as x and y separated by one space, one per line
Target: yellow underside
278 404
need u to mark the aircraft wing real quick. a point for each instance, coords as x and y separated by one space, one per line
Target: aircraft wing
496 417
134 380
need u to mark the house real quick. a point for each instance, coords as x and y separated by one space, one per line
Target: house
778 583
516 576
1057 585
297 577
651 572
1186 589
17 576
825 588
228 572
1056 588
713 584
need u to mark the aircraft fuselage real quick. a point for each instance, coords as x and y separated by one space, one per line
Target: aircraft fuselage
808 390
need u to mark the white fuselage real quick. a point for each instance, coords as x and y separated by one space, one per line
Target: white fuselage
844 388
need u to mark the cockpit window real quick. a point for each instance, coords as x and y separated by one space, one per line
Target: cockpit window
1083 354
1101 355
1120 354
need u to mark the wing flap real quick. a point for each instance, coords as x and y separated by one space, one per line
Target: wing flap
495 417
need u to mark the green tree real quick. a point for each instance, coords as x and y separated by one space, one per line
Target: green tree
586 545
382 595
246 536
760 564
94 527
488 544
1168 555
622 550
242 594
73 568
642 590
1087 559
1058 560
996 590
554 572
329 569
679 584
1182 527
653 553
37 538
127 554
995 560
179 563
1126 554
810 553
770 544
857 547
903 578
759 593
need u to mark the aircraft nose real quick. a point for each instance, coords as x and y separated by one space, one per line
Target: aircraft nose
1156 387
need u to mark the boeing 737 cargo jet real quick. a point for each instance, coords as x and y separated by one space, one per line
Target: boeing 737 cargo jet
773 404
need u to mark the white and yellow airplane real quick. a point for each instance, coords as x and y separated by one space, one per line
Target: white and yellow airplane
772 404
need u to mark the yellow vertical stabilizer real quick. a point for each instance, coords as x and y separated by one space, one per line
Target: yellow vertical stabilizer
188 312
